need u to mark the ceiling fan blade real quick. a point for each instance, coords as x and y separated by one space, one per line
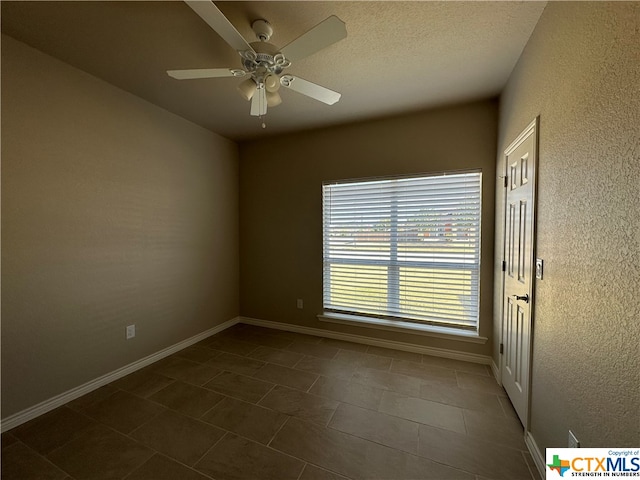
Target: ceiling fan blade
321 36
205 73
310 89
216 20
259 102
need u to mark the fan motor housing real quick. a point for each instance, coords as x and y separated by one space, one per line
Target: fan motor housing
267 56
262 29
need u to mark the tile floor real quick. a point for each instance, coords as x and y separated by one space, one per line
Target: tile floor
254 403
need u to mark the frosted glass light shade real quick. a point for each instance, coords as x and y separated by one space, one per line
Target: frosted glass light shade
247 88
273 99
272 83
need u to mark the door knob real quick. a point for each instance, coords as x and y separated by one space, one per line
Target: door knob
524 297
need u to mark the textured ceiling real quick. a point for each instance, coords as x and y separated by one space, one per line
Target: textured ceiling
398 56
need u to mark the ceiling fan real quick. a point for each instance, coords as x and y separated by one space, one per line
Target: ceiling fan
264 62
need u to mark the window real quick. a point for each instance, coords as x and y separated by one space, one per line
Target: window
404 248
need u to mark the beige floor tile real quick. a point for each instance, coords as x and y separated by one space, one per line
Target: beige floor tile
160 467
239 386
286 376
188 371
313 349
422 411
187 399
19 462
480 383
245 419
177 436
311 472
343 345
378 427
142 383
462 366
100 454
506 431
472 454
53 429
388 381
348 392
236 458
355 457
279 357
326 367
426 373
397 354
365 360
299 404
463 398
236 364
123 411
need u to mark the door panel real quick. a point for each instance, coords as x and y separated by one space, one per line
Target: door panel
518 287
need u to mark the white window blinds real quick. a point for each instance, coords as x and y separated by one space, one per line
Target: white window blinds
404 248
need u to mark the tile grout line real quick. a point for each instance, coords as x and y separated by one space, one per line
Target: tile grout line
299 360
43 457
333 414
278 431
211 408
226 433
268 392
308 390
155 452
524 459
302 471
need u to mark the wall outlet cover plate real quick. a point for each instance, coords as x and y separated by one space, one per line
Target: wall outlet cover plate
539 268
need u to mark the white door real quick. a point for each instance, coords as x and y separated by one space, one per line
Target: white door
521 159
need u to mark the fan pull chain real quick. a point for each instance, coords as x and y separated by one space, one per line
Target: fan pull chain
264 125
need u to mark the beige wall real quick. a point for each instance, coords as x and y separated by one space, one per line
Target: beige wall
114 212
281 215
581 73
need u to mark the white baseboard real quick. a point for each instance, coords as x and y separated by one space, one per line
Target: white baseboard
407 347
496 372
59 400
537 456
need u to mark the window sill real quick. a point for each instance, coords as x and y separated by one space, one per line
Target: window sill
403 327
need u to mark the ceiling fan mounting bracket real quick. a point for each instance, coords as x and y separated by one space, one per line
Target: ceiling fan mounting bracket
262 29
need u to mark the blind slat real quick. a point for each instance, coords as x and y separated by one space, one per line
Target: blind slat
404 248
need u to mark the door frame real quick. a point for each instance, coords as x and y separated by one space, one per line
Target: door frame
532 128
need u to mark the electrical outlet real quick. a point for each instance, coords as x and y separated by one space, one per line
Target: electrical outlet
131 331
300 304
573 441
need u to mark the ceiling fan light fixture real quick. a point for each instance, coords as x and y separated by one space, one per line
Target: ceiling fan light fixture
272 83
273 99
247 88
263 61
